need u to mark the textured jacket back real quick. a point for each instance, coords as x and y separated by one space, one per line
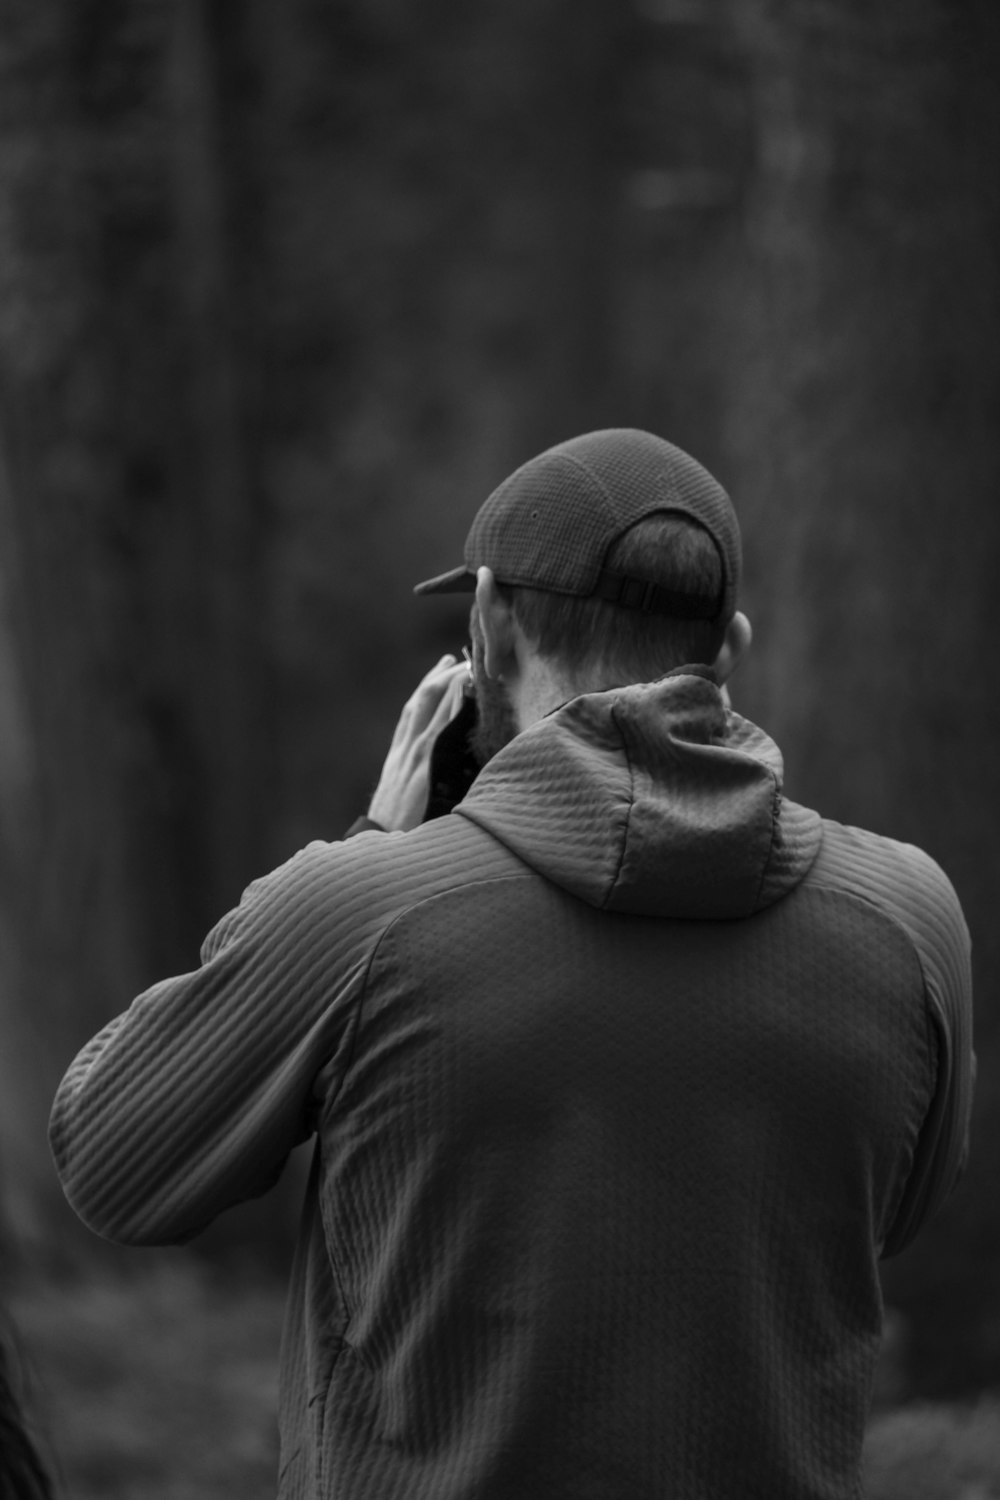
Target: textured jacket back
623 1076
600 1196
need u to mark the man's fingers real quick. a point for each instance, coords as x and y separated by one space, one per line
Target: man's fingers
445 709
401 794
437 694
451 698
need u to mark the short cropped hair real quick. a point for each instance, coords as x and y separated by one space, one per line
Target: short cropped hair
590 638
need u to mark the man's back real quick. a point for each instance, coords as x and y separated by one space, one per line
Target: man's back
602 1193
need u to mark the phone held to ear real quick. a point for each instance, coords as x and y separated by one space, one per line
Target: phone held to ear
453 766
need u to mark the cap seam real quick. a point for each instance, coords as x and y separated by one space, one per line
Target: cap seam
577 464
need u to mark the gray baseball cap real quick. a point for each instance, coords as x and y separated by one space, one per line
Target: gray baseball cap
550 524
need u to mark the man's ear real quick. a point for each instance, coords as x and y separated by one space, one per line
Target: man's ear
739 634
496 618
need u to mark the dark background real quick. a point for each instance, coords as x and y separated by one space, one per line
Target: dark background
286 289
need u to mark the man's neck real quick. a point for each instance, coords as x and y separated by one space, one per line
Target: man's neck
540 688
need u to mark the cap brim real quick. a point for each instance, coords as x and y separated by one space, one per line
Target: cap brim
458 581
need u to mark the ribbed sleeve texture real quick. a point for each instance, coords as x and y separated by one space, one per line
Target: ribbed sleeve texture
193 1099
911 890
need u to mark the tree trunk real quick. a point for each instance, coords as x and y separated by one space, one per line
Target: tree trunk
136 763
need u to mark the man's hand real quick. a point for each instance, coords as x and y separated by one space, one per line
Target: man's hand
401 795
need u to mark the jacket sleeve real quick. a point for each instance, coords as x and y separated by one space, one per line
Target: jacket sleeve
938 929
192 1100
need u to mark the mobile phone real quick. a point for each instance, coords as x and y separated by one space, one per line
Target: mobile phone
453 766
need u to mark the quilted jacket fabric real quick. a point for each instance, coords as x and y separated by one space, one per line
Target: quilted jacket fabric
622 1077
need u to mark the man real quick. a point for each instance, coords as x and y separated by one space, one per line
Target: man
623 1075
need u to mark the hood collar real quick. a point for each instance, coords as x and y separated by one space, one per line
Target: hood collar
654 799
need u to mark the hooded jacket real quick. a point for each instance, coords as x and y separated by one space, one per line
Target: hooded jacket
622 1078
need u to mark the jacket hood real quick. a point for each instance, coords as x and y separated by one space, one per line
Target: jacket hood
654 799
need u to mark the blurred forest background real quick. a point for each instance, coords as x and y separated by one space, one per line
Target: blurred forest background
286 289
